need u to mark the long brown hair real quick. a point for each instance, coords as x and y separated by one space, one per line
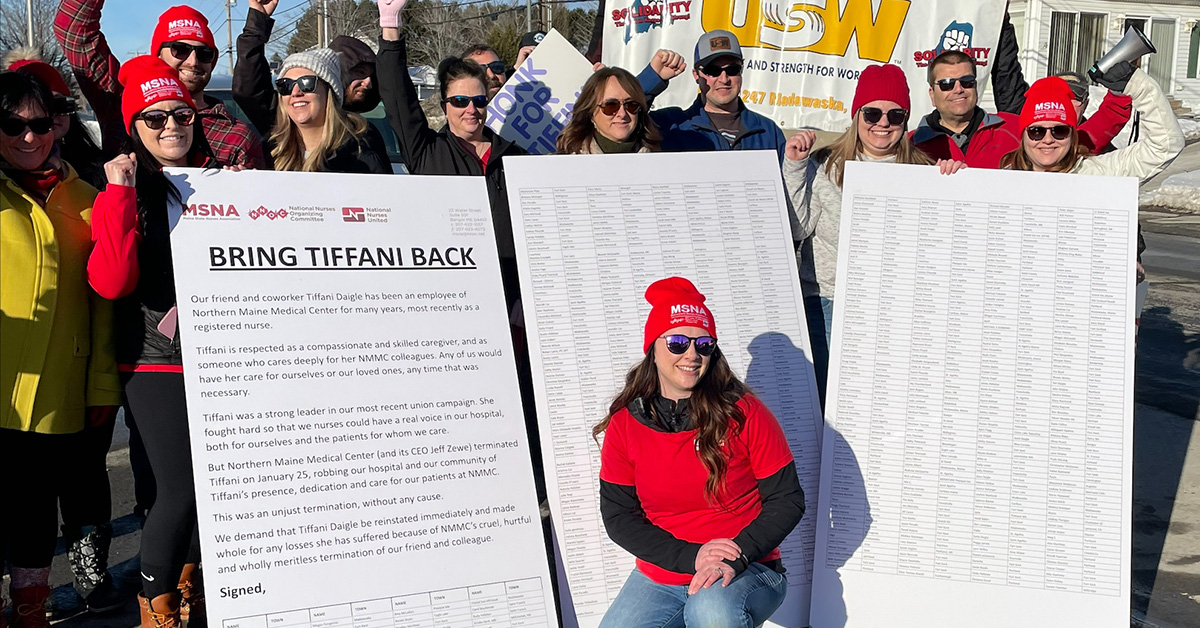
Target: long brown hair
849 146
1018 160
578 133
288 145
712 407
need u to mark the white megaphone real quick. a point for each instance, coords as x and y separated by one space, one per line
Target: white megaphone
1134 45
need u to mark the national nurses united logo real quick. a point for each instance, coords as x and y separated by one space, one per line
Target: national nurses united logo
354 214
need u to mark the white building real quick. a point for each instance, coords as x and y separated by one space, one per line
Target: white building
1069 35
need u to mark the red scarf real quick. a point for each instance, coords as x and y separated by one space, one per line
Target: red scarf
38 183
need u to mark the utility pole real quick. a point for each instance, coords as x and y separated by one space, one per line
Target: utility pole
29 24
323 24
528 16
229 31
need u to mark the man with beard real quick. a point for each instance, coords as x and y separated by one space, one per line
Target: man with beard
361 84
497 72
185 42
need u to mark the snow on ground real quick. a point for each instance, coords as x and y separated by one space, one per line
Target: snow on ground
1178 191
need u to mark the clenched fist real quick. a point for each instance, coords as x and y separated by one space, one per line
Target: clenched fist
668 64
266 6
122 170
389 13
799 146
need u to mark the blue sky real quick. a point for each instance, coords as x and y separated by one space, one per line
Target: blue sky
128 24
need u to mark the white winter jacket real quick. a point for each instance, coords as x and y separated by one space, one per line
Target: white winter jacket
1161 137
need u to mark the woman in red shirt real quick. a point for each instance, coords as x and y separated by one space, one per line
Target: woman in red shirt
696 479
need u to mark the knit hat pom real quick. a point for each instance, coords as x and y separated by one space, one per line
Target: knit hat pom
675 302
324 63
881 82
148 80
1048 99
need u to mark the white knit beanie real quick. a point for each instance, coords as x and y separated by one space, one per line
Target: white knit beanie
324 62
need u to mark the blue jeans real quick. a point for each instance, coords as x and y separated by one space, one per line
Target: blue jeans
748 601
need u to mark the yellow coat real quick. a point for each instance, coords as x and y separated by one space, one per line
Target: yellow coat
56 349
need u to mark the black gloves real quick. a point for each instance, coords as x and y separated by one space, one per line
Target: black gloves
1115 79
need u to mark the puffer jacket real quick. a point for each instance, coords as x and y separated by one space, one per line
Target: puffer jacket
56 346
1161 141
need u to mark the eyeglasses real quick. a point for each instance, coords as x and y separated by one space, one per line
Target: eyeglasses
678 344
497 67
156 119
733 69
182 51
15 127
307 83
895 117
612 105
461 102
947 84
1060 132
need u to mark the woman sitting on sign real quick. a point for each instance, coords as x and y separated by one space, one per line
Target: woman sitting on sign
131 263
610 116
878 132
301 115
696 479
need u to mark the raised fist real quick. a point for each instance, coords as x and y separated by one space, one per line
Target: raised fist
122 170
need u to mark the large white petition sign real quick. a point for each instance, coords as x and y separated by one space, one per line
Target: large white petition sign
593 231
978 444
352 397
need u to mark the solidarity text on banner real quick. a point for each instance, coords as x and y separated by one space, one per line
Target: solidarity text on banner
802 60
536 103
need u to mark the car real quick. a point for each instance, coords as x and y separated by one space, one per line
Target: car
221 88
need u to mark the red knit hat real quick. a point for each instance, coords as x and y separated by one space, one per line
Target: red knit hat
43 72
881 82
181 22
675 302
1048 99
148 80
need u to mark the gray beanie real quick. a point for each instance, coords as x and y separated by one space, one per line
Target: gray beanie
323 62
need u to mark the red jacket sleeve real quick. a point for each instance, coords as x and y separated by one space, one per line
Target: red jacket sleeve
77 28
1098 131
113 265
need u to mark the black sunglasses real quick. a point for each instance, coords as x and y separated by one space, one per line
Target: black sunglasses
182 51
497 67
733 69
947 84
678 344
307 83
612 105
1060 132
461 102
895 117
15 127
157 118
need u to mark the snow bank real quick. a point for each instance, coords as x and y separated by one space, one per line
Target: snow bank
1179 191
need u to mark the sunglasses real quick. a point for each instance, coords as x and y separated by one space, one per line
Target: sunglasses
947 84
497 67
307 83
15 127
678 344
182 51
1060 132
895 117
461 102
156 119
611 106
732 69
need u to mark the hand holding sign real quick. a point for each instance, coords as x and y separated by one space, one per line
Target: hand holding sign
668 64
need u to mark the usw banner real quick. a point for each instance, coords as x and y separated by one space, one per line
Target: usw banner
802 59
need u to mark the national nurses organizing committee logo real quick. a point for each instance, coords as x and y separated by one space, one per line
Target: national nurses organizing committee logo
824 29
269 214
958 37
354 214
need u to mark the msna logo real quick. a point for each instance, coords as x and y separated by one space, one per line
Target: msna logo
826 30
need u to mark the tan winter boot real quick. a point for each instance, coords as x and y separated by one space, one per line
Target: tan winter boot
29 607
161 612
191 593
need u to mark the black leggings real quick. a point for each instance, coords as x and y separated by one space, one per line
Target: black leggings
29 523
84 494
170 538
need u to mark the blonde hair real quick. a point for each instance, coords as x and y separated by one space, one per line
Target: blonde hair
848 146
288 144
1019 160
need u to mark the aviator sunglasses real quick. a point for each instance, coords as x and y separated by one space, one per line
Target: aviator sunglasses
307 83
947 84
733 69
156 119
612 105
182 51
15 127
678 344
1060 132
872 115
461 102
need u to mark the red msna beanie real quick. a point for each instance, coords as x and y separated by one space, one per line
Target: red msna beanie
148 80
43 72
675 302
1048 99
181 22
881 82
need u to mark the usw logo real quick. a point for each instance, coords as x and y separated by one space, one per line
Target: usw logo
826 30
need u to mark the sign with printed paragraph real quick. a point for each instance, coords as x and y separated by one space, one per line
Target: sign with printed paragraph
353 403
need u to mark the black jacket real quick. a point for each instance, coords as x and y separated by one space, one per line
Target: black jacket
255 94
427 151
